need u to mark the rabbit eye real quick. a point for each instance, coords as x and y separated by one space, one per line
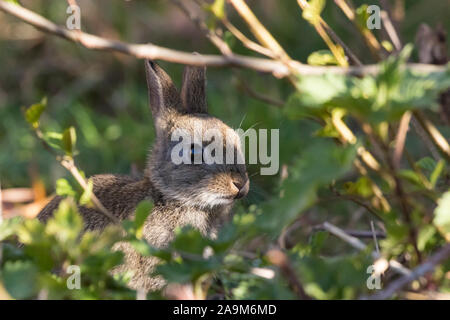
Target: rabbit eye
196 152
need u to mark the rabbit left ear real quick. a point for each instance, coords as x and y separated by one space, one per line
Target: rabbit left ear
193 90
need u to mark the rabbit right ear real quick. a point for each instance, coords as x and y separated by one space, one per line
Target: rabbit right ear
161 91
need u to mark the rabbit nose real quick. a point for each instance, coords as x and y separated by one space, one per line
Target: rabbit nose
242 187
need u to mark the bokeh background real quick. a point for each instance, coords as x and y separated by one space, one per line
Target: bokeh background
104 96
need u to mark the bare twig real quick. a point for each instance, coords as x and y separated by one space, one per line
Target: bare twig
390 30
151 51
281 260
68 163
360 234
425 139
358 244
436 137
386 17
211 35
427 266
246 41
372 42
372 227
401 138
259 31
324 30
259 96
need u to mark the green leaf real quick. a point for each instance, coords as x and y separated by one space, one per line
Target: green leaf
218 8
316 92
322 58
143 209
318 165
34 112
311 13
85 199
8 227
442 215
20 279
426 163
69 139
66 223
362 16
64 189
189 240
434 177
425 235
361 187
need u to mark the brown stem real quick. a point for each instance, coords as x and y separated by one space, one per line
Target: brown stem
281 260
427 266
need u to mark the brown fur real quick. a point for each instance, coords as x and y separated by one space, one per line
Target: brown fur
199 195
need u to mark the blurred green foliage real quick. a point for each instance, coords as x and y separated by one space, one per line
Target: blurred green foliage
97 110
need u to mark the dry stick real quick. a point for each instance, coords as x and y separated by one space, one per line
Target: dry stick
226 50
151 51
211 35
339 41
425 139
347 136
360 234
427 266
258 30
69 164
246 41
386 17
439 141
390 30
281 260
397 184
401 138
367 35
374 234
358 244
324 30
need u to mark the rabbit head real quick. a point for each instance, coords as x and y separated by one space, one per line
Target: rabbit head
198 183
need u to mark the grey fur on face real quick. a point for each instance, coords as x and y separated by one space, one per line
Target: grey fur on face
200 195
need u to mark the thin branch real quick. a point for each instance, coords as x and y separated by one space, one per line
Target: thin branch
246 41
425 139
281 260
358 244
258 30
69 164
154 52
401 138
390 30
371 41
374 234
211 35
325 31
427 266
259 96
436 137
360 234
142 51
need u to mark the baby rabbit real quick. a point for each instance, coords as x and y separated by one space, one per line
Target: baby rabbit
200 195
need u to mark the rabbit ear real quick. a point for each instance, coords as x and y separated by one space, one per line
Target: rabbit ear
161 91
193 90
